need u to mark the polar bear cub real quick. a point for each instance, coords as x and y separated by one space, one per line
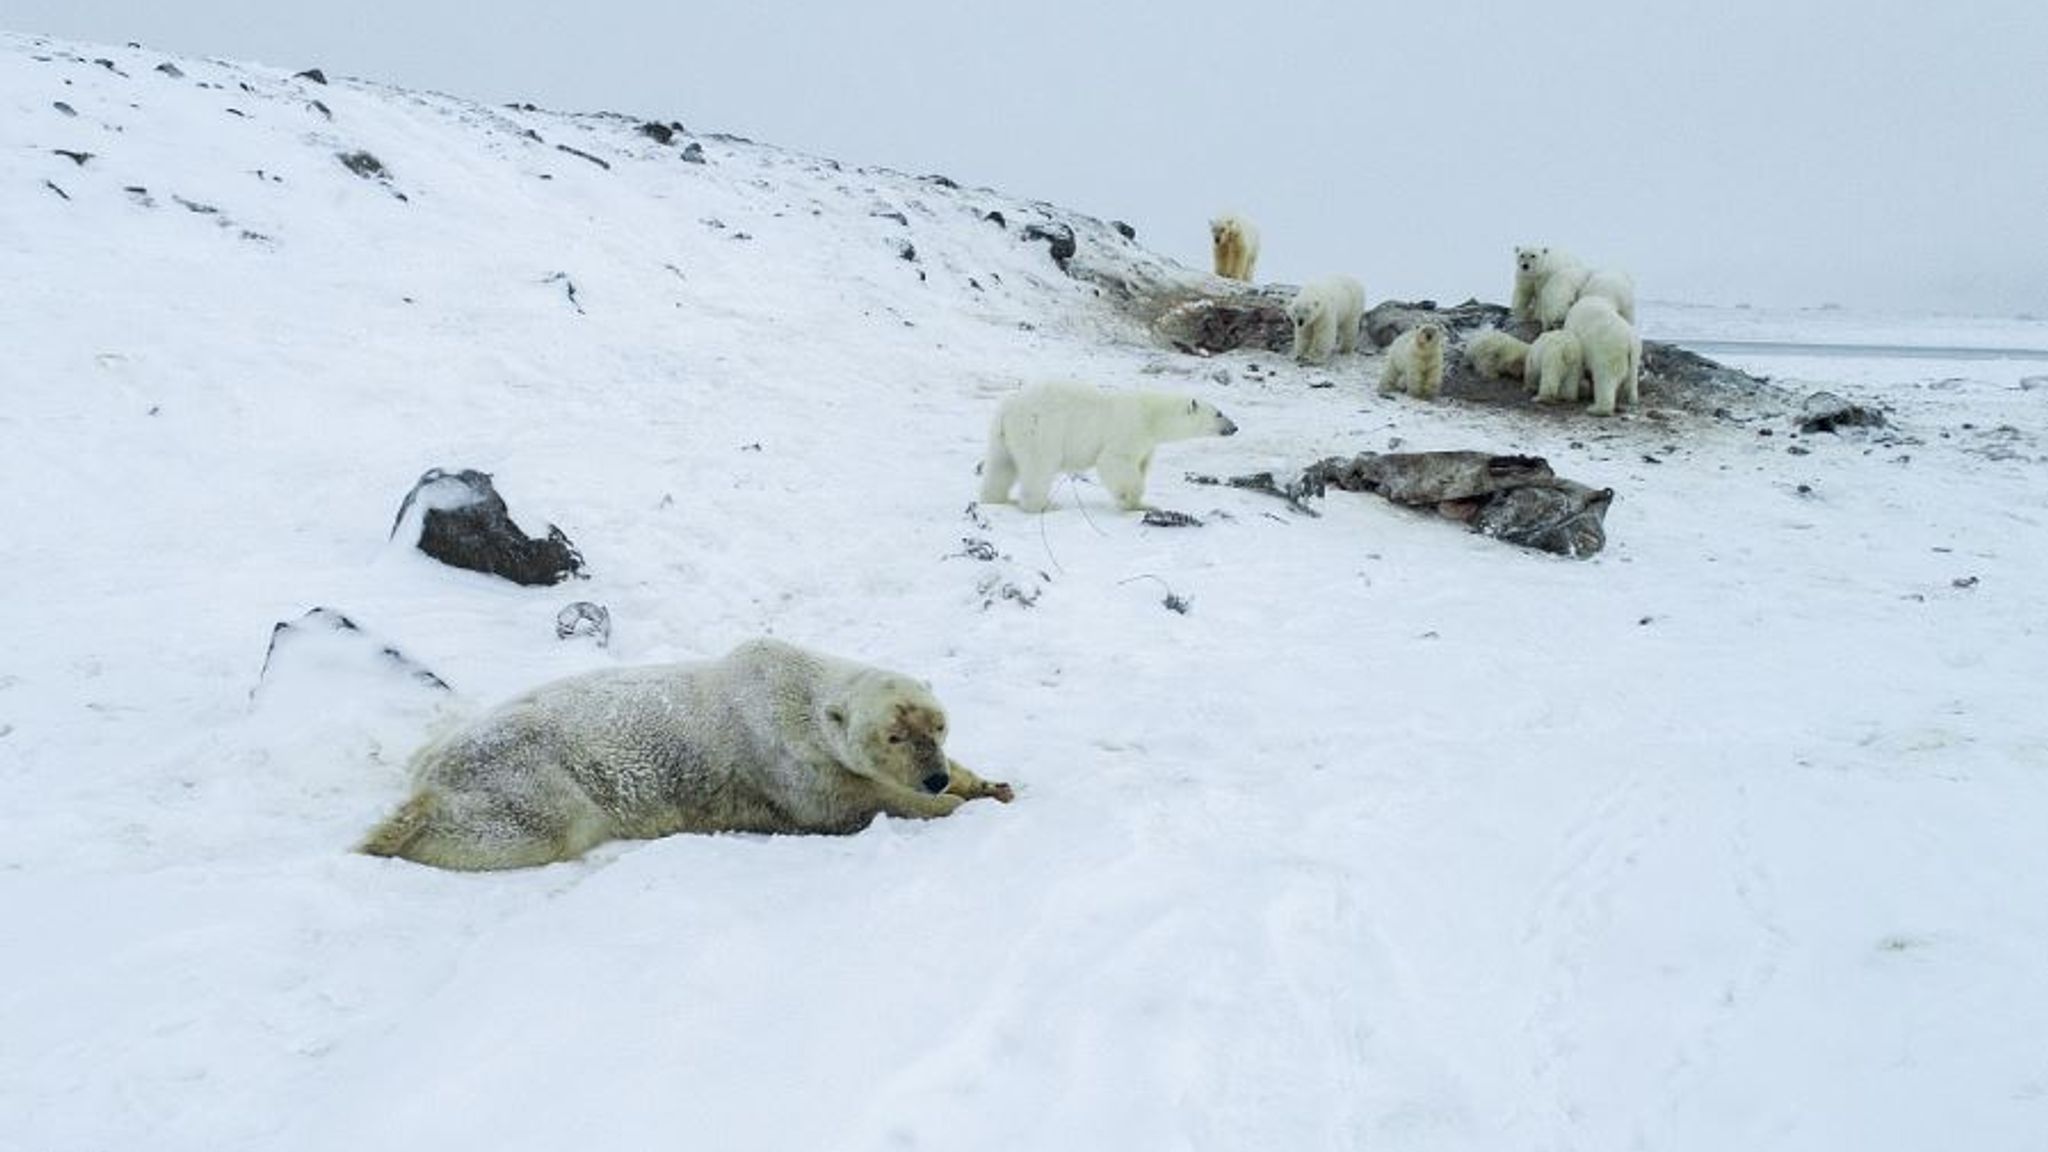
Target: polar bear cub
1062 426
1556 363
1326 313
1234 244
1614 354
1495 354
1415 361
769 738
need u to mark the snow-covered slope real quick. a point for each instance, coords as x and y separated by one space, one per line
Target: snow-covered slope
1397 838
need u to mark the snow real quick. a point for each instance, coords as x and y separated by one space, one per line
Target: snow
1727 838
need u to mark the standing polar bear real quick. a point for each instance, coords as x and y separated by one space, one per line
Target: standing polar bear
1613 352
1234 244
769 738
1415 361
1556 363
1548 281
1326 313
1062 426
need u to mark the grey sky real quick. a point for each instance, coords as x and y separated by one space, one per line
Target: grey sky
1879 154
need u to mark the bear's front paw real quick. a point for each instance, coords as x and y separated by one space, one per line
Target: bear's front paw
1000 791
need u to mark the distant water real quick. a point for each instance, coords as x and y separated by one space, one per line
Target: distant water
1723 348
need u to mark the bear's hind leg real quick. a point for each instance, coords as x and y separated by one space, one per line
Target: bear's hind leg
1034 489
998 473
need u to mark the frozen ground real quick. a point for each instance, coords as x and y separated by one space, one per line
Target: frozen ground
1400 838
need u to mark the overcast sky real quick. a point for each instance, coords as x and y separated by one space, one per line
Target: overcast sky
1874 155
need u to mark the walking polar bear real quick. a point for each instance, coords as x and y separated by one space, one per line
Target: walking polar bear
768 738
1326 313
1234 244
1415 361
1062 426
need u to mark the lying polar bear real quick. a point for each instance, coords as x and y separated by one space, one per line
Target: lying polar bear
769 738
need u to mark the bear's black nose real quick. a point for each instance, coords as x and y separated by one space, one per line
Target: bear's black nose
1229 427
936 782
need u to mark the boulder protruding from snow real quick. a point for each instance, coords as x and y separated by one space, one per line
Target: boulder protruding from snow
1060 238
1827 412
306 650
464 523
584 618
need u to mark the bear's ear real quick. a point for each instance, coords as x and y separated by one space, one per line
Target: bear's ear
836 714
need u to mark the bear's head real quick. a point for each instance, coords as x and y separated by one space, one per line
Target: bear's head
1223 228
1428 337
1307 308
1529 260
890 728
1207 417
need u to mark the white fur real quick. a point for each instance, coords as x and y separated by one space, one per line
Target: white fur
1058 427
1619 288
1556 364
1326 313
1563 278
1415 361
1495 354
769 738
1529 272
1234 244
1614 354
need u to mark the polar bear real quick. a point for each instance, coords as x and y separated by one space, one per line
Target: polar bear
1528 278
1562 279
1062 426
1556 363
1415 361
1614 354
1619 288
1235 245
1495 354
1326 313
768 738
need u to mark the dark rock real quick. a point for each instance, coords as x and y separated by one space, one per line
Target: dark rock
604 164
584 618
1059 237
1387 320
313 74
907 251
109 66
1167 518
1827 412
898 217
364 164
464 523
1206 326
66 109
171 70
693 152
78 158
325 636
941 181
1124 230
322 109
997 219
52 186
659 133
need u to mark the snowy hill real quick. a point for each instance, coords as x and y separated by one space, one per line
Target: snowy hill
1399 837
